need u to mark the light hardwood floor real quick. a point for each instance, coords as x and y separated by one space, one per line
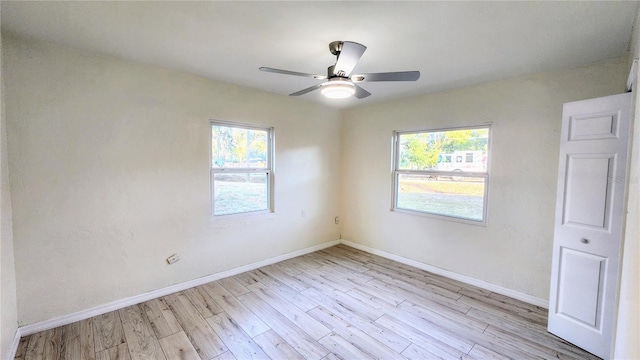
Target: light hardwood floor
338 303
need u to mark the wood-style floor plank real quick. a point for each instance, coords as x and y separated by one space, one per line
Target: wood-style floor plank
225 356
288 286
22 347
295 315
418 296
263 277
414 336
332 260
276 347
332 356
416 276
240 344
203 338
119 352
247 320
447 319
383 335
349 277
337 303
296 337
289 267
527 345
284 277
404 288
160 317
340 302
178 346
203 302
411 320
35 349
491 305
77 341
481 352
357 256
355 336
245 278
343 348
141 340
314 282
53 344
107 331
417 352
233 286
531 332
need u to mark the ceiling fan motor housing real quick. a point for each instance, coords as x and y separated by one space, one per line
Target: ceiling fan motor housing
335 47
331 74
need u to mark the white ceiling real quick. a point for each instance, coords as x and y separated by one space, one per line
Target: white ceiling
452 44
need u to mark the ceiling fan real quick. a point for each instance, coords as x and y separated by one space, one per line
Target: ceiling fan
339 81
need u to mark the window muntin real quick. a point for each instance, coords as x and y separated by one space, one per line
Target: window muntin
241 174
443 173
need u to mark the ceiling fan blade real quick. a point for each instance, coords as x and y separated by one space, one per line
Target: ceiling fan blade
361 93
388 76
348 58
287 72
304 91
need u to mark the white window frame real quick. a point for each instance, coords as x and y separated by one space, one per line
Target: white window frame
268 170
396 172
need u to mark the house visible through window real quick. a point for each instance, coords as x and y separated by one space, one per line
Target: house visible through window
443 173
241 174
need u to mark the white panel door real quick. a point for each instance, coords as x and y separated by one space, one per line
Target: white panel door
588 224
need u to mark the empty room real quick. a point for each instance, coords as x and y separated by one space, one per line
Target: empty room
319 180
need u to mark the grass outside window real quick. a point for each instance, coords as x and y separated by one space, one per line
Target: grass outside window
241 174
443 173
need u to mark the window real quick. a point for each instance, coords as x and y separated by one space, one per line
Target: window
241 168
442 173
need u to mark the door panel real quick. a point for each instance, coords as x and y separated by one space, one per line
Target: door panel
588 225
593 126
588 191
580 287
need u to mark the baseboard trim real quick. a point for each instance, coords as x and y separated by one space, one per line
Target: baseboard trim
14 344
122 303
452 275
119 304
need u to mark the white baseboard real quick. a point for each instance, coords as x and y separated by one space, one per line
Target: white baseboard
14 344
122 303
119 304
452 275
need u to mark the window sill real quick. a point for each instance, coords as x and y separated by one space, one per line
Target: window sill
440 217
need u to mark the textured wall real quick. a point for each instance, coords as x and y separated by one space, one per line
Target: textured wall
110 175
627 345
8 305
514 249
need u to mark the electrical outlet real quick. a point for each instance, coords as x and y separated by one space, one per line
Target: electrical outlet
173 259
337 220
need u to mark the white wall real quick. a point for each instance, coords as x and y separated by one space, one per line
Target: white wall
109 175
514 250
627 344
8 306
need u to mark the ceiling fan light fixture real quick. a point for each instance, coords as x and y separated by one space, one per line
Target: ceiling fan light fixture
338 89
339 83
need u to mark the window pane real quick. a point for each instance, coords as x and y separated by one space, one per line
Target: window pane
238 193
460 196
448 150
233 147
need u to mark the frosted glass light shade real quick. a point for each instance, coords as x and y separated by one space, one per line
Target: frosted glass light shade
338 89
